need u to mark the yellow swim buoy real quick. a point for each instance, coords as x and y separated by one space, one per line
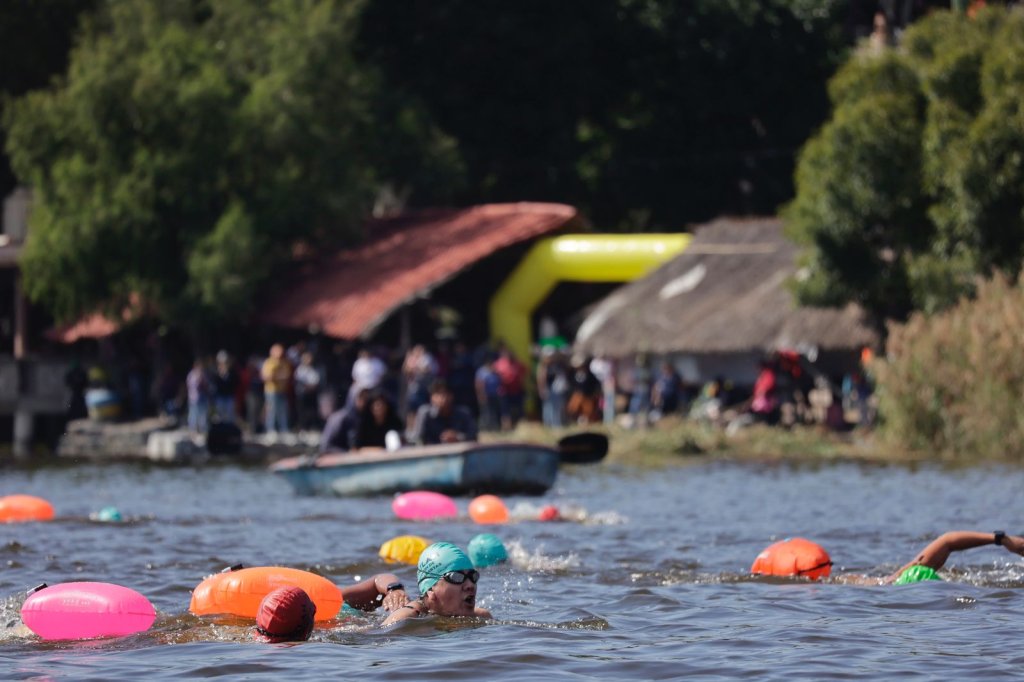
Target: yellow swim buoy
404 549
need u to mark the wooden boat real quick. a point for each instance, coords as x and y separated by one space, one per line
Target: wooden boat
457 468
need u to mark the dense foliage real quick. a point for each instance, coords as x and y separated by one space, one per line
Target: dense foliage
915 186
647 115
36 37
953 381
192 145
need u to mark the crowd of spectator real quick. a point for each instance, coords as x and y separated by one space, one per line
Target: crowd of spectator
355 396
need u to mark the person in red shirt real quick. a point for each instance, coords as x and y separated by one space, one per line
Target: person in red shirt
512 374
764 402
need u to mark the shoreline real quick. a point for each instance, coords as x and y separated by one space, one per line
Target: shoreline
672 441
676 441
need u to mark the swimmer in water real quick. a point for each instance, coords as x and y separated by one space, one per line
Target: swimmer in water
447 584
934 556
285 615
925 565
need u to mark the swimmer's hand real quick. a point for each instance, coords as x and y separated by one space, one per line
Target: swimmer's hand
1014 543
395 599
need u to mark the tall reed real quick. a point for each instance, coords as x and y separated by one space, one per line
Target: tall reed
952 384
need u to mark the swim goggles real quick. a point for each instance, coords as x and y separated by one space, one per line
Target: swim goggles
459 577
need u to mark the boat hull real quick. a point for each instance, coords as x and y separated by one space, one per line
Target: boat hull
462 468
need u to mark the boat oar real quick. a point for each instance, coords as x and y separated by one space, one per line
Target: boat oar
583 448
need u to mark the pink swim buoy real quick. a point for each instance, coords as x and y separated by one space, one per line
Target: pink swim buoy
86 610
423 505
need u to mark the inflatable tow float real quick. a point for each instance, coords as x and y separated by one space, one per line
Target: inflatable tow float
404 549
793 557
238 591
84 610
22 508
424 505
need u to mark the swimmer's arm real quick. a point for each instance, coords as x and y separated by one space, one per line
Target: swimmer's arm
409 610
938 550
412 609
373 592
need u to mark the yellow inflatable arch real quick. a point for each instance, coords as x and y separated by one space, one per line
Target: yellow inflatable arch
572 258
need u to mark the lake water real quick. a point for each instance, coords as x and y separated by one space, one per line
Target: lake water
649 583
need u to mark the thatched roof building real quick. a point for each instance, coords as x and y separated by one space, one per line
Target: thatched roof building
726 293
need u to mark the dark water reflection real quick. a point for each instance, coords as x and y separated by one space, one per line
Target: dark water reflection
650 584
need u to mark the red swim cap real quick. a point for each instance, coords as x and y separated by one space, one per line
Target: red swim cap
548 513
285 615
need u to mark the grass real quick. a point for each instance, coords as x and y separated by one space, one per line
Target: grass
675 441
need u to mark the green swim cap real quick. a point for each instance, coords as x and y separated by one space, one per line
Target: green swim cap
438 559
916 574
486 549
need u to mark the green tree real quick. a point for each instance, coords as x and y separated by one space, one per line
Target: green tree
651 114
36 35
916 184
194 145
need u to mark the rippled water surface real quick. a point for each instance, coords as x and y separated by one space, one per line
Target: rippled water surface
648 582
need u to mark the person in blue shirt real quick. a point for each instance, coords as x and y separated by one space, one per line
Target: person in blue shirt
339 434
488 393
442 421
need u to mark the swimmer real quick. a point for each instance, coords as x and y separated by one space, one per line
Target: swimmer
487 549
934 556
446 580
285 615
925 565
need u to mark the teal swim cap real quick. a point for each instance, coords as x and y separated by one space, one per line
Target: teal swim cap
916 574
486 549
438 559
109 514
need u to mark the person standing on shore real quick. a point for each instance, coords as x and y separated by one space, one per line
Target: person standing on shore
277 375
254 396
307 393
225 385
488 392
197 384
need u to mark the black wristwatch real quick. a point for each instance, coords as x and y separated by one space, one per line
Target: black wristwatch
998 539
392 587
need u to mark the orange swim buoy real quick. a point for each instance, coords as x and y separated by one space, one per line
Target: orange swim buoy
18 508
793 557
239 592
488 509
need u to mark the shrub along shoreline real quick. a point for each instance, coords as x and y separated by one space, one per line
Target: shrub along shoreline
676 441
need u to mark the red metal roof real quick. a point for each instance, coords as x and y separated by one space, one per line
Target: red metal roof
350 293
98 325
94 326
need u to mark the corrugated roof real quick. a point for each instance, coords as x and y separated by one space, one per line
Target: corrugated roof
350 293
99 325
727 292
94 326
